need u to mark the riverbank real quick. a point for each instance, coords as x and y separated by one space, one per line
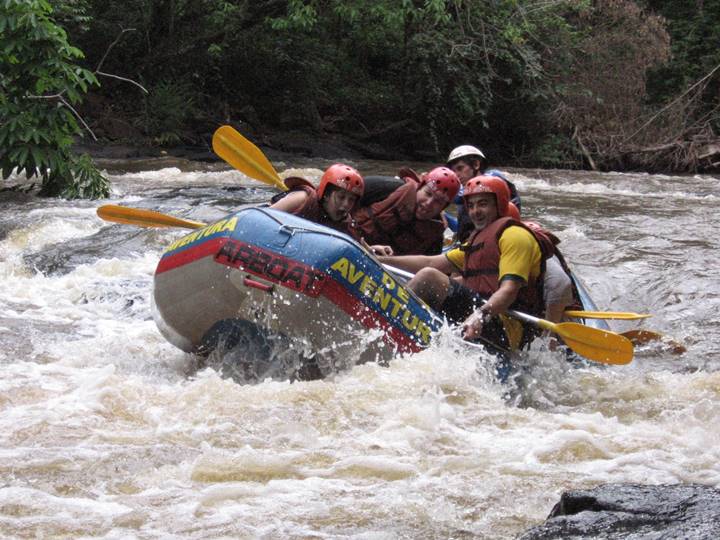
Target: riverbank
120 138
274 143
289 145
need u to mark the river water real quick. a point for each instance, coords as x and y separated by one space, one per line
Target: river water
107 430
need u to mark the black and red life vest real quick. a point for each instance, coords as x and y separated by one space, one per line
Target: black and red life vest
482 265
392 221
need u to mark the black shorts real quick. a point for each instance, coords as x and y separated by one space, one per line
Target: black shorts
460 302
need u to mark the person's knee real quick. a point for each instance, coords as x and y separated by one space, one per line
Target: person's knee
430 284
430 275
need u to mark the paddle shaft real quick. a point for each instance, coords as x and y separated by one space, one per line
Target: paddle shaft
144 218
619 315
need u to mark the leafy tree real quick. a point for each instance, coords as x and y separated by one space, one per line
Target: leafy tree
559 83
439 71
695 31
41 84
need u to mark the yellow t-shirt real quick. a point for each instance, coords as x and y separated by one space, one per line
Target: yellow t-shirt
520 255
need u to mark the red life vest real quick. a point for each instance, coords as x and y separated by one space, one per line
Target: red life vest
392 222
313 211
482 265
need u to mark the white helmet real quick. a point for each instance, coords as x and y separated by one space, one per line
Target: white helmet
464 151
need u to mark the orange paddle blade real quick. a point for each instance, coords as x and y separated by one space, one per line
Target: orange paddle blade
144 218
245 156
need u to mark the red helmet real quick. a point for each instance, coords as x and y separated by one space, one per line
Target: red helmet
490 184
442 180
513 211
344 177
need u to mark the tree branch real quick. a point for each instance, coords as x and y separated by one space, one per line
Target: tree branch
141 87
102 60
583 149
77 115
673 102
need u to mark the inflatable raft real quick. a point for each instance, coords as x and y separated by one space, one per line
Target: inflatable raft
302 286
284 293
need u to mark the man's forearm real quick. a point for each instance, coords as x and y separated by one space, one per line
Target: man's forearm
409 263
502 299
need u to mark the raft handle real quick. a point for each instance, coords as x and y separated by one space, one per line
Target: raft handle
257 285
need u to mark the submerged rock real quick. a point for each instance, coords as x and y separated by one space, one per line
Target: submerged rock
623 511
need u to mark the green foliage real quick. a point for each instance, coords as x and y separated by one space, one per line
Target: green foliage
40 82
444 67
168 110
300 16
76 177
517 77
72 15
555 151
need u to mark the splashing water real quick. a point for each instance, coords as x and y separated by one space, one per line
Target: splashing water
108 430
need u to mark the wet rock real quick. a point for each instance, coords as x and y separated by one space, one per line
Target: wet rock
112 241
622 511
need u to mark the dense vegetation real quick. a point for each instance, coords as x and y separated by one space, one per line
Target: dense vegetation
581 83
41 83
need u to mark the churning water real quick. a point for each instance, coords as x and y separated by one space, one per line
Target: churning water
106 430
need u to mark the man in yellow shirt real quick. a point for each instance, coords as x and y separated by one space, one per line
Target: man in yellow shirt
500 267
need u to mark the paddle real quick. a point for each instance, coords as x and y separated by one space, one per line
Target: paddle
592 343
641 337
144 218
245 156
624 315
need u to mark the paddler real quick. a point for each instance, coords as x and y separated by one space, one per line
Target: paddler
407 221
502 261
340 188
468 162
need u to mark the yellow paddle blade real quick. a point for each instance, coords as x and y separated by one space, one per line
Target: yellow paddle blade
593 343
245 156
625 315
144 218
640 337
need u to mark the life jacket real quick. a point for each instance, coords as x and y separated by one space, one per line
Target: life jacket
392 222
482 262
378 188
313 211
